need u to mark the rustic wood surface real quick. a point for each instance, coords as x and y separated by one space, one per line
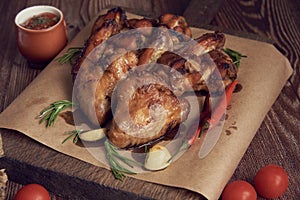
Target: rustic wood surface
277 140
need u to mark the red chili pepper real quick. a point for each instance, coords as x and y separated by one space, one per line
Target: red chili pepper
205 116
206 109
218 112
188 143
229 90
195 135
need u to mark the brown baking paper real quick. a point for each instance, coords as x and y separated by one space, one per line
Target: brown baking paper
262 74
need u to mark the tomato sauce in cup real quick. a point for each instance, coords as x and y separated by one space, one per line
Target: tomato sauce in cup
41 33
41 21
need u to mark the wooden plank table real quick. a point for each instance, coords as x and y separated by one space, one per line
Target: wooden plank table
277 140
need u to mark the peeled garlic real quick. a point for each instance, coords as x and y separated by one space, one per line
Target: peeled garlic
93 135
157 158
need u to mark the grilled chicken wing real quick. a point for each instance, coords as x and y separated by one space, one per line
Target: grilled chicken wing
176 23
165 38
116 14
104 27
146 110
205 61
94 86
98 76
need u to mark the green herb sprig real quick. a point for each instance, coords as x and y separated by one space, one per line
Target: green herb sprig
235 56
49 114
73 134
71 55
114 157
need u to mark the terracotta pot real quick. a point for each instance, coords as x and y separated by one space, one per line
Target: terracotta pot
40 45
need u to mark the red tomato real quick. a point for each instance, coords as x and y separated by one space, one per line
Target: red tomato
32 192
271 181
239 190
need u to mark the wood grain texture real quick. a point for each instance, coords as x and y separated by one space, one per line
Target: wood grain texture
277 140
200 14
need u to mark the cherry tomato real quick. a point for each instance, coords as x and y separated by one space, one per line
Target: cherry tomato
32 192
239 190
271 181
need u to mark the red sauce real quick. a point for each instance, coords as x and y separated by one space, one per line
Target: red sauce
41 21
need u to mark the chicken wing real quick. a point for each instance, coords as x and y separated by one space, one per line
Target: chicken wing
146 110
104 27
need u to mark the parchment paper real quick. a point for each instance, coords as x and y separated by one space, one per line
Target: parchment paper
262 74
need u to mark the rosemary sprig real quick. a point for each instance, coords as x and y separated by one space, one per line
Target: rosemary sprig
49 116
73 134
114 157
235 56
71 54
50 113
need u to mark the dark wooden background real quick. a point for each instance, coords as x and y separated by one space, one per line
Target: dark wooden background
277 140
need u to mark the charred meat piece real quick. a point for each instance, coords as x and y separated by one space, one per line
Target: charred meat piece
204 63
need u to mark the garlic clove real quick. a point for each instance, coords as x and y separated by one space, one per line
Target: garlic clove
93 135
157 158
